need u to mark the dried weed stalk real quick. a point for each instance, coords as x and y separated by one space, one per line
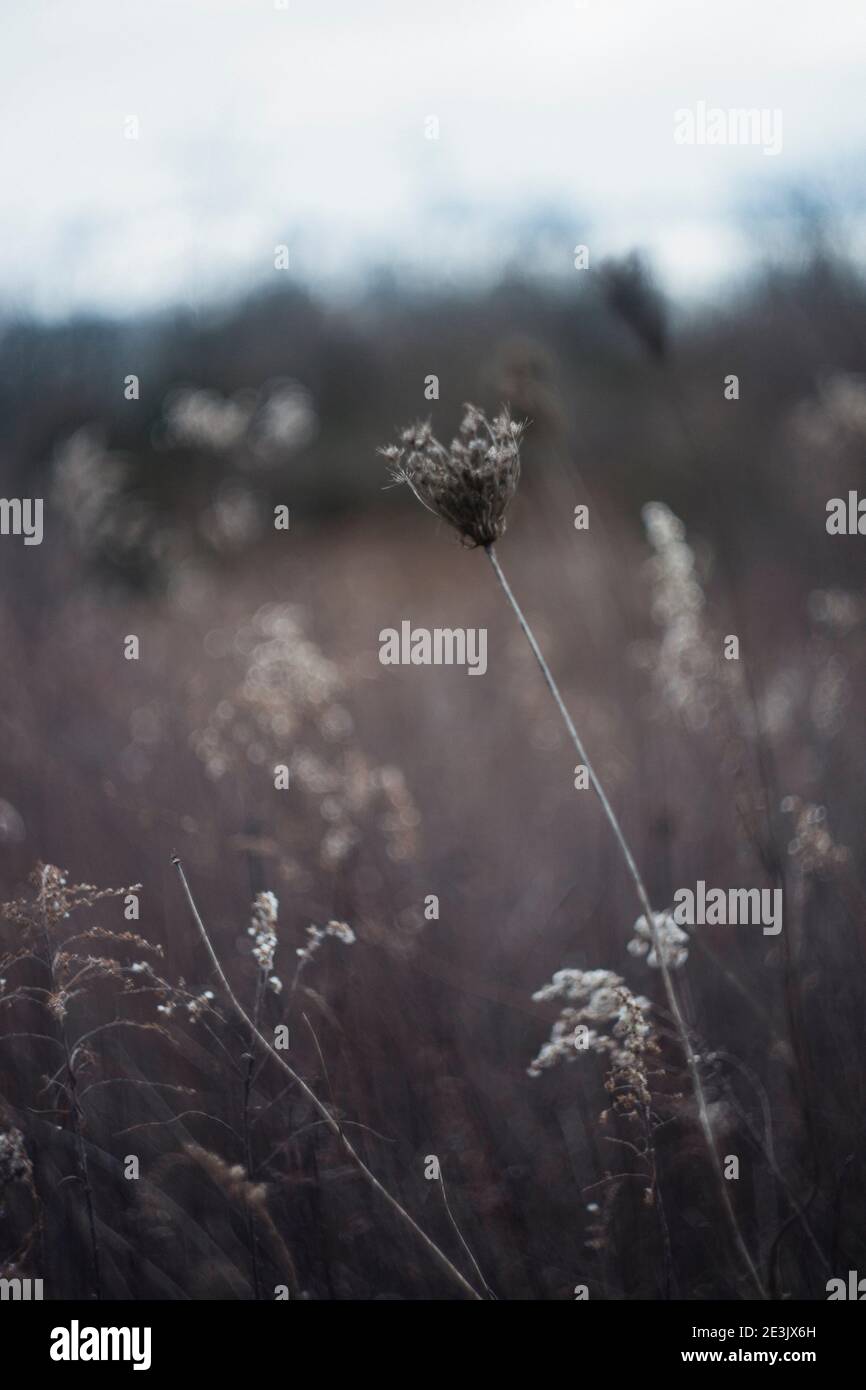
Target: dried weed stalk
261 1043
70 963
472 493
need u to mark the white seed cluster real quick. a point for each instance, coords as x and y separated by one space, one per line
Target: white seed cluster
317 935
599 1002
688 676
670 939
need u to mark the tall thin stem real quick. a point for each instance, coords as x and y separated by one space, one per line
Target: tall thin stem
252 1232
643 899
333 1124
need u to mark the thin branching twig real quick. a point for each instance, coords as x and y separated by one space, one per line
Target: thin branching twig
259 1040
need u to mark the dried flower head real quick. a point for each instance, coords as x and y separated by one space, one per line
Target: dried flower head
316 935
669 939
621 1030
48 935
598 998
812 847
291 693
264 928
472 482
15 1165
230 1178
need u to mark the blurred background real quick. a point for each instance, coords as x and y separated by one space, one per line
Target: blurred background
239 241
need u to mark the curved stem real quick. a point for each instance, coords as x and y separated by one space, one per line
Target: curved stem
643 899
261 1041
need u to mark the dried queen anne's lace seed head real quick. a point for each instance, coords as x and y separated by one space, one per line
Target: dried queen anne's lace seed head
472 482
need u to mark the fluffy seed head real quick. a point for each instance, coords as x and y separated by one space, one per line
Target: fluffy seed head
471 483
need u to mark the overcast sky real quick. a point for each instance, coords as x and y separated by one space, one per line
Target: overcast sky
307 125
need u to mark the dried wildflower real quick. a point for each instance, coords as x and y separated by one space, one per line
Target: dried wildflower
233 518
812 847
599 998
15 1165
231 1178
178 998
198 1005
12 830
472 482
286 421
291 694
316 936
598 1229
55 972
263 928
43 918
56 898
688 674
628 1081
88 486
470 486
109 518
205 419
669 938
263 425
831 695
342 932
621 1031
237 1186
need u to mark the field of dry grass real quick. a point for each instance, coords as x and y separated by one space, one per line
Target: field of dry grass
258 649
